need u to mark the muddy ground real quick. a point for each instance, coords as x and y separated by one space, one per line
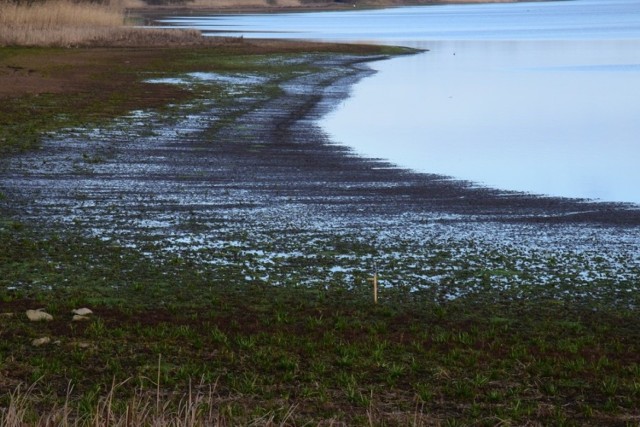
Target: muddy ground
275 155
259 174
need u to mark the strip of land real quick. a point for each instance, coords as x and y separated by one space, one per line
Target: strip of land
281 6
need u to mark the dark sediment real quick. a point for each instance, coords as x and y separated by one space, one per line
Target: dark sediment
270 156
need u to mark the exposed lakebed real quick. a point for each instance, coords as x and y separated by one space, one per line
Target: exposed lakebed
255 183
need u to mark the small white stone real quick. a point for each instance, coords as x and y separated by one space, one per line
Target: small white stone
79 318
40 341
38 315
82 311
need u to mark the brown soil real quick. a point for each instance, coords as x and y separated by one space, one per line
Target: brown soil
68 71
83 70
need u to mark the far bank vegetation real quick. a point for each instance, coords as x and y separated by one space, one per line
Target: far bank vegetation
71 23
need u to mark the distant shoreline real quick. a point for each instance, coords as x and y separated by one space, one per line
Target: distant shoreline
150 13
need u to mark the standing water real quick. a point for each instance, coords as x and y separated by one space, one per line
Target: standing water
536 97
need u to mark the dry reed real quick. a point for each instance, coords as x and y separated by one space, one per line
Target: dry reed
67 23
199 406
54 23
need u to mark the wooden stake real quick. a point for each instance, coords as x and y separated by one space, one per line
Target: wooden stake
374 279
375 288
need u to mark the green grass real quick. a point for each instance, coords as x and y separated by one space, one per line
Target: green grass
329 354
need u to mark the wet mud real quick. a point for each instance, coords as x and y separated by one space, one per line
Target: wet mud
259 174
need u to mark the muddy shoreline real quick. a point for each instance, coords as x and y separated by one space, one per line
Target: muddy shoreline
269 156
256 186
248 182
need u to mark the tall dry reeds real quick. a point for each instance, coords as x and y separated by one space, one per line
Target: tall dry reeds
200 405
58 22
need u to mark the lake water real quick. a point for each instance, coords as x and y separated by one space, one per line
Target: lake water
537 97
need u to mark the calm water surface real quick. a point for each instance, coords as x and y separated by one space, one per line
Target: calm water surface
535 97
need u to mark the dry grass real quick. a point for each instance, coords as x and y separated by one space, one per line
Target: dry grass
59 22
199 406
68 23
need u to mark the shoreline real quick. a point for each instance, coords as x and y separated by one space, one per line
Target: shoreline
150 13
295 163
250 168
608 205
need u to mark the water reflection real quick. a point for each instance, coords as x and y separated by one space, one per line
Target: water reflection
526 116
537 97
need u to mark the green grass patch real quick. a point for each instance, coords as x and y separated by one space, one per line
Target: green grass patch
328 354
